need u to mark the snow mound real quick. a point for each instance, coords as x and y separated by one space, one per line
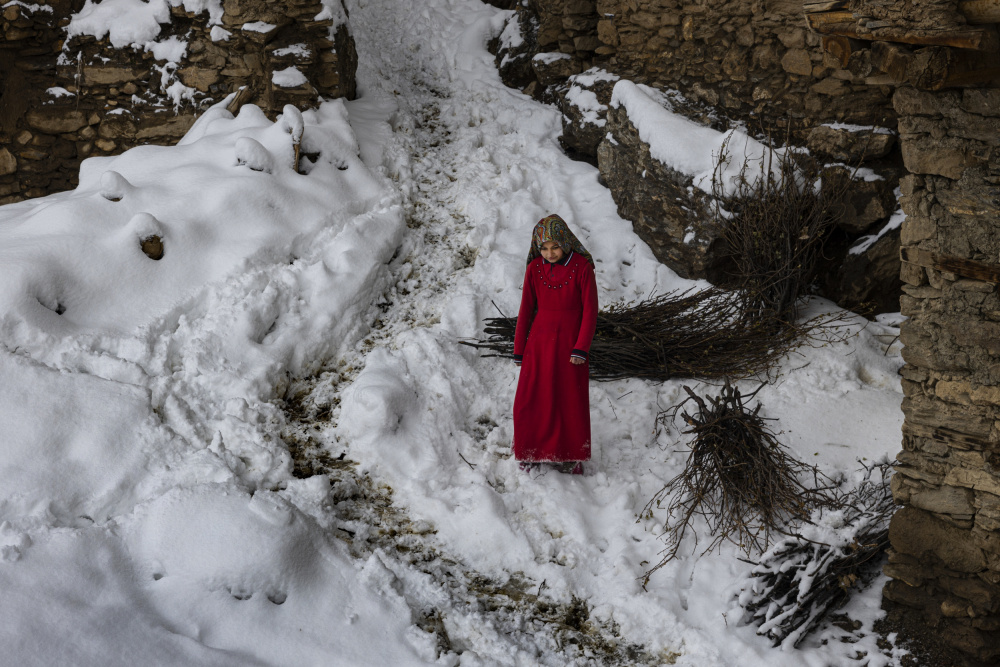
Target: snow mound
690 148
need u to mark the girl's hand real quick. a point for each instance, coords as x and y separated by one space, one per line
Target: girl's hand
575 360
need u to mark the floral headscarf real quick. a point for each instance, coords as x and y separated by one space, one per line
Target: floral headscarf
554 228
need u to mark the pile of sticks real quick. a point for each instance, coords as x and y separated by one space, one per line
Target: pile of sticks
707 334
799 581
775 225
738 477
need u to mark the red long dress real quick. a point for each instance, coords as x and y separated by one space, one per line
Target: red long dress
552 404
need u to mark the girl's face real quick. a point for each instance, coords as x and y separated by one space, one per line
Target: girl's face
551 251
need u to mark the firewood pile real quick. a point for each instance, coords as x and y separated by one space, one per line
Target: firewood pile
705 334
738 478
798 582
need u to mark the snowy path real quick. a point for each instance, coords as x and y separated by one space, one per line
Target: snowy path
478 164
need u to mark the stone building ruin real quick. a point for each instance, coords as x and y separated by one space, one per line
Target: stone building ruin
66 94
909 91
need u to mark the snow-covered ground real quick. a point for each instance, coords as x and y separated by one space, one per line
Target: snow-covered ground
153 411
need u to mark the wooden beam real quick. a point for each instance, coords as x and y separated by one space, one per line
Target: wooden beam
967 268
893 59
845 24
840 23
811 6
840 47
976 12
934 67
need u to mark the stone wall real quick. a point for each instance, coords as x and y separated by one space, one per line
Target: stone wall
754 63
926 70
747 59
64 100
945 557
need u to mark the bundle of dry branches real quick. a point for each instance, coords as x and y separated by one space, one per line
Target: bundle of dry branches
775 225
705 334
799 581
738 477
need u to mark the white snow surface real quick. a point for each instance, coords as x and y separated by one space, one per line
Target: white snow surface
259 26
171 49
551 57
133 22
148 511
690 148
290 77
586 100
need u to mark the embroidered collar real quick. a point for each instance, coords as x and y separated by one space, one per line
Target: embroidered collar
562 262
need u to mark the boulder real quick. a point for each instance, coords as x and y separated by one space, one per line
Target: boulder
584 105
551 68
515 47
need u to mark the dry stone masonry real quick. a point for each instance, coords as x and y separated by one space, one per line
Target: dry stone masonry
945 559
733 62
67 95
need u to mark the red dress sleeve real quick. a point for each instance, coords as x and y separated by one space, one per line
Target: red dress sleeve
524 315
588 294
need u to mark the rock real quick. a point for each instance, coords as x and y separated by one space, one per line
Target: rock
197 77
152 246
553 68
607 33
797 61
980 480
584 104
515 47
586 43
944 500
919 533
946 157
955 608
8 163
111 76
829 86
56 120
851 146
161 128
675 221
116 126
868 281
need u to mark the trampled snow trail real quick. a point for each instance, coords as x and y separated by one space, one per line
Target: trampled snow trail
477 165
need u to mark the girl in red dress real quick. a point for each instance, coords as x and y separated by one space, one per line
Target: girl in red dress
555 326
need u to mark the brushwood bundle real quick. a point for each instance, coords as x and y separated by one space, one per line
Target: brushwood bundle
799 581
705 334
738 477
775 224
